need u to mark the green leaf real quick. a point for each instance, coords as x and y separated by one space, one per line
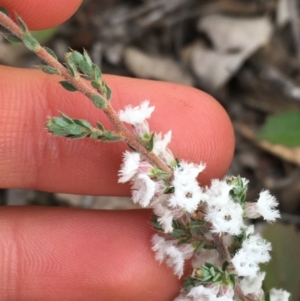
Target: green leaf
87 58
59 122
85 67
22 24
30 42
66 118
282 129
98 101
4 10
267 296
83 123
97 73
94 136
12 38
51 52
96 84
76 57
69 87
110 139
48 69
107 91
100 126
71 66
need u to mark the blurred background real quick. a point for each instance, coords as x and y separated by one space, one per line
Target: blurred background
246 53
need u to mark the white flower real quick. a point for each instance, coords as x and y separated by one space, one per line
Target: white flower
165 216
187 171
252 285
265 206
279 295
205 294
188 193
254 250
129 166
143 189
182 297
160 147
172 254
218 192
136 115
226 218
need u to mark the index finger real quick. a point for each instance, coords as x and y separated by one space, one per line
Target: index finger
31 158
41 14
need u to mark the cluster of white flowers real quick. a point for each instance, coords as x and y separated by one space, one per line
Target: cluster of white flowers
254 250
222 203
173 254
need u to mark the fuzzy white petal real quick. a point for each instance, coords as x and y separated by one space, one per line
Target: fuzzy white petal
188 193
165 217
129 166
136 115
226 218
187 197
279 295
205 294
143 189
218 192
251 285
160 147
266 205
254 250
173 255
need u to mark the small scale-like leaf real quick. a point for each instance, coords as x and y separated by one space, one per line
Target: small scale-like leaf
51 52
74 129
4 10
100 126
66 85
72 67
22 24
96 84
12 38
66 118
232 279
177 233
30 42
85 67
169 190
48 69
77 57
60 122
79 136
267 296
282 129
83 123
216 277
87 58
98 101
107 91
97 73
94 135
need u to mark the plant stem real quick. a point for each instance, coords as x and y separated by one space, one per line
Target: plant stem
87 90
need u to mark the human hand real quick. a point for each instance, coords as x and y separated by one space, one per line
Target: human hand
68 254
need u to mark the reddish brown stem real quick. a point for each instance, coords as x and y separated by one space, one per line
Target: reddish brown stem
87 90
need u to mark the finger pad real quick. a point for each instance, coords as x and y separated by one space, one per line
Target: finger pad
62 254
42 14
31 158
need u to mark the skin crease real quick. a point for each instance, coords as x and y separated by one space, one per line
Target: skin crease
69 254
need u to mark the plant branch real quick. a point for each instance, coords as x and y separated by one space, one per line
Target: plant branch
90 92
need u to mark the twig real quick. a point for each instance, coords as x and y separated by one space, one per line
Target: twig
87 90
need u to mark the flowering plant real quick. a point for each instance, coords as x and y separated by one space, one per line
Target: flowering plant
204 225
